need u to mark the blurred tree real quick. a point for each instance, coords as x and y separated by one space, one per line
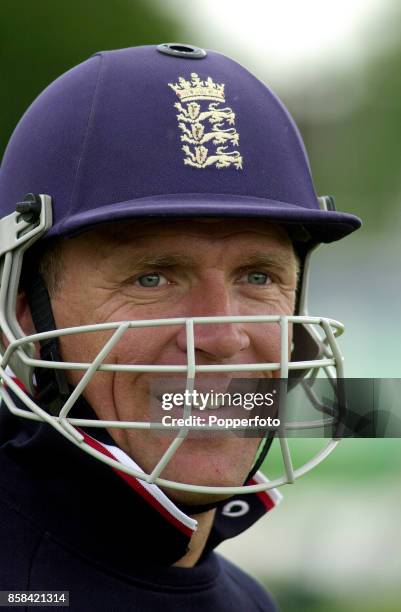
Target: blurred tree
356 155
40 40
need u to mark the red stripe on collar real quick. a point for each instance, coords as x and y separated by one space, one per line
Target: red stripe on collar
270 498
135 484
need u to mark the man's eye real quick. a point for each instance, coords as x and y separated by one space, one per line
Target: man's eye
257 278
151 280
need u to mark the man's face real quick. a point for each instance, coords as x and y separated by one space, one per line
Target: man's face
151 270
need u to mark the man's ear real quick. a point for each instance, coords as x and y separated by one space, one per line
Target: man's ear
24 316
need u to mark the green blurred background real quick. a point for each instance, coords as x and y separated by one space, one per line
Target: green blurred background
335 542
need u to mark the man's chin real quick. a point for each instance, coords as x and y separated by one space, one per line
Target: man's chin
213 478
222 462
194 503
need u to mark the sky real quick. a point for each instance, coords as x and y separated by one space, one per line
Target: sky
290 37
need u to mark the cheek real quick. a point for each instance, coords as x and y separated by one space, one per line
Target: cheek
266 342
147 345
120 394
132 390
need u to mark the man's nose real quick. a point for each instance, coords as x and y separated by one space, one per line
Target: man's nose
223 340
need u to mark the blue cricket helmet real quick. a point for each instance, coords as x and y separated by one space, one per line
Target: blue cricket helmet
166 130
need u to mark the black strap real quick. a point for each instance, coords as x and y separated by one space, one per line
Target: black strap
262 455
53 388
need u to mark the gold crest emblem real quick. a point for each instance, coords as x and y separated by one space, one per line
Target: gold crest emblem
207 127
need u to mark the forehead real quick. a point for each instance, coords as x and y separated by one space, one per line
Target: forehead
151 233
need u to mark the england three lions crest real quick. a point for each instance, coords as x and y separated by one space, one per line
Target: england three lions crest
207 126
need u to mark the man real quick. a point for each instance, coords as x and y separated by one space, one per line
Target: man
176 214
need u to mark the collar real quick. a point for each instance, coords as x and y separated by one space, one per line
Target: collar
232 518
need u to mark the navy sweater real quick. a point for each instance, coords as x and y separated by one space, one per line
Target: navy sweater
68 522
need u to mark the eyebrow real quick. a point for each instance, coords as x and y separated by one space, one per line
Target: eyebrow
252 260
277 260
170 260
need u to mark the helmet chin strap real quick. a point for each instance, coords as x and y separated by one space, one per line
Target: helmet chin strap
53 388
